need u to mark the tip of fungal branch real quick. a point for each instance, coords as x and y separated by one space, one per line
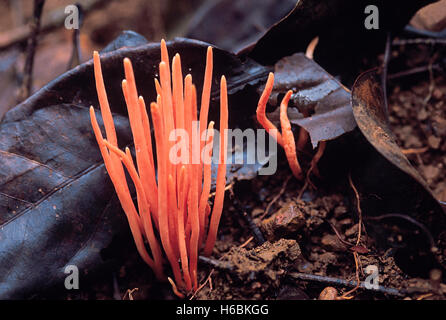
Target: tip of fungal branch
309 53
287 97
270 77
96 58
92 114
127 67
157 86
223 86
128 154
154 106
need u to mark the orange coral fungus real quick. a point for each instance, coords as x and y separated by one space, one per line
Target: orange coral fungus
286 138
172 213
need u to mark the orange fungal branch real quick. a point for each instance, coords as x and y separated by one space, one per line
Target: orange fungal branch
286 138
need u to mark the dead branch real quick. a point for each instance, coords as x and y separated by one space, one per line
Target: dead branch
53 20
346 283
34 26
385 67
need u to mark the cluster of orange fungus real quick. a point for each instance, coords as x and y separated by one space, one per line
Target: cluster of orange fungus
286 137
172 213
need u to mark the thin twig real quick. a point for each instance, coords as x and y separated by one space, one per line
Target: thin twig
429 41
385 66
424 296
431 81
222 265
313 168
303 189
411 220
347 295
228 187
129 293
414 150
27 80
358 208
76 54
244 244
260 239
413 71
229 267
338 234
317 156
208 279
346 283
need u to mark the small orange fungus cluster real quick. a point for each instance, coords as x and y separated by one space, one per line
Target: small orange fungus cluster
286 137
173 218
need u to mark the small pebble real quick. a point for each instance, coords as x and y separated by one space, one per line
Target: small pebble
437 94
329 293
332 243
430 172
434 142
435 275
422 115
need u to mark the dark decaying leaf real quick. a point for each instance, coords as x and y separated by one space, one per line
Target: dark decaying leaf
368 102
317 94
244 21
57 203
388 184
343 39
